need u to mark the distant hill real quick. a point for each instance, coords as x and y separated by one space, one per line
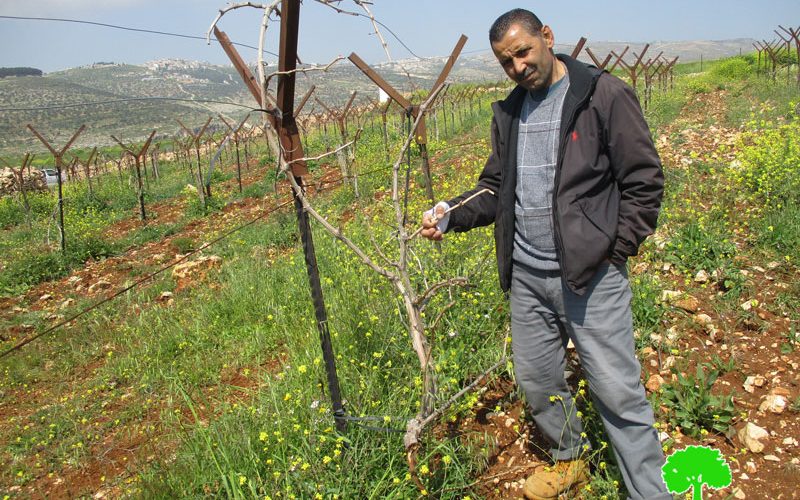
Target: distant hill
102 83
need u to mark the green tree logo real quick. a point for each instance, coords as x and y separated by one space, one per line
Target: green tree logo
693 467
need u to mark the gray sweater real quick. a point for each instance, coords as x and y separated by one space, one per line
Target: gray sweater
537 153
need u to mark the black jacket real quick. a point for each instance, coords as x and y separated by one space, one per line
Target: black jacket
608 181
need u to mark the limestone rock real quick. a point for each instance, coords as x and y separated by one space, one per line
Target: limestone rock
750 436
669 295
185 269
753 381
654 383
773 403
703 319
100 285
687 303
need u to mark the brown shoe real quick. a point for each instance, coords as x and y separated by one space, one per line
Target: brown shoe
550 482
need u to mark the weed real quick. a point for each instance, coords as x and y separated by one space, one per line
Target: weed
183 244
646 304
694 248
792 341
723 366
693 407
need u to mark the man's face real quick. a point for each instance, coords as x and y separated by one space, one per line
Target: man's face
527 59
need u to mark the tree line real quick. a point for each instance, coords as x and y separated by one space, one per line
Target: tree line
4 72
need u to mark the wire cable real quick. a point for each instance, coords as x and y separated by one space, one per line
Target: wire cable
126 28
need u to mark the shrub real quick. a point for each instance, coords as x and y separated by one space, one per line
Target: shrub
699 85
36 267
768 161
735 68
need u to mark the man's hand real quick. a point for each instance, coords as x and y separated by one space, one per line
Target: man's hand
434 221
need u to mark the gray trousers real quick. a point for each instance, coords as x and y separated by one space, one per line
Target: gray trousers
545 314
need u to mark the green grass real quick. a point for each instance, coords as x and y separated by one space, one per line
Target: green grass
226 383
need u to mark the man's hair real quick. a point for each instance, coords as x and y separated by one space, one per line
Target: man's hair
522 17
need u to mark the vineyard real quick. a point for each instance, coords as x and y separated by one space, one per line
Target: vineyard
242 309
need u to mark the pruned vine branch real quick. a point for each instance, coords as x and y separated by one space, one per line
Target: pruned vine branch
423 299
234 6
305 70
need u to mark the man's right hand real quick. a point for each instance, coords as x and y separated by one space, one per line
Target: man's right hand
433 225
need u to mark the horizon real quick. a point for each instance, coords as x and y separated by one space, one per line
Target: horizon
56 45
228 64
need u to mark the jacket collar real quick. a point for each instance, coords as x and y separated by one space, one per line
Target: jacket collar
582 79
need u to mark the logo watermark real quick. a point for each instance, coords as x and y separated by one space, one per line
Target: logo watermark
694 467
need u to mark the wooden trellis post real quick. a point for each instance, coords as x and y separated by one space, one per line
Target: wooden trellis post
19 176
292 151
154 160
596 61
634 70
650 68
795 34
384 124
787 45
204 188
58 156
298 109
420 134
669 72
758 61
137 158
770 51
344 155
578 47
235 135
87 169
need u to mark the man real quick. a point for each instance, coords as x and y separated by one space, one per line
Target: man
576 186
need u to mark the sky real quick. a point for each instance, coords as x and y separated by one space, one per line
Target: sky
427 28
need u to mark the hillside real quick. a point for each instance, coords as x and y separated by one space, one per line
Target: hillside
192 80
202 374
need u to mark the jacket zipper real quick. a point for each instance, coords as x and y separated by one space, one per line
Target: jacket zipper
560 160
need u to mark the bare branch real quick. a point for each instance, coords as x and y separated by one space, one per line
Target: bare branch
363 5
261 41
304 70
423 299
441 314
396 167
415 426
323 155
338 234
227 9
329 3
459 204
380 252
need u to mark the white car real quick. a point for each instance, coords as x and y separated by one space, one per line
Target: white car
50 176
